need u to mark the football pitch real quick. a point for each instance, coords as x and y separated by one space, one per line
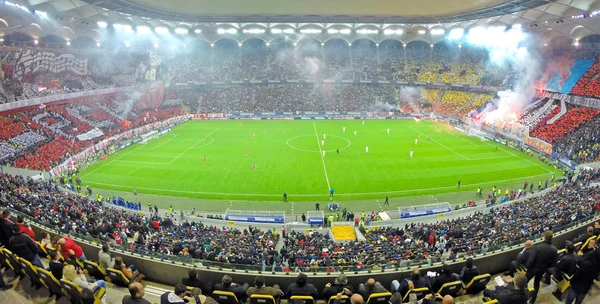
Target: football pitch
288 157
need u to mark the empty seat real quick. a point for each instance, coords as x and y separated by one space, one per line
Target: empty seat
12 263
262 299
117 277
30 272
478 283
225 297
51 283
94 270
379 298
451 288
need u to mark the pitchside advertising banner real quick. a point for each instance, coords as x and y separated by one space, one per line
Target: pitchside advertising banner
424 210
248 216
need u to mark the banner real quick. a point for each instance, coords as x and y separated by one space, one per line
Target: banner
562 74
423 210
90 134
538 144
255 219
27 62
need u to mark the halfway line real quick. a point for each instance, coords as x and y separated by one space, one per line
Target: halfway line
321 154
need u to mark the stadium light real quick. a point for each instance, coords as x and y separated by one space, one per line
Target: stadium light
268 44
197 31
431 45
68 43
126 44
377 44
367 31
118 26
212 45
438 31
220 31
35 41
392 32
181 31
576 43
345 31
421 32
516 26
155 45
239 44
295 44
276 31
288 31
102 24
322 43
161 30
311 31
349 43
254 31
332 31
127 28
456 34
142 29
231 31
98 44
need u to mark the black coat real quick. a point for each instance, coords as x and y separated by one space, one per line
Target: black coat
23 246
542 257
56 269
442 279
567 264
467 274
306 290
334 289
205 286
5 231
510 295
589 270
523 256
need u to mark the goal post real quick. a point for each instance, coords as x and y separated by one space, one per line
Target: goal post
148 136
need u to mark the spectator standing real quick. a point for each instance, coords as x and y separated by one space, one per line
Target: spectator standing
24 247
584 277
67 247
24 228
542 257
6 227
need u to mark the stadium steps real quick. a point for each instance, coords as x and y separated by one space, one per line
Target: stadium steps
359 235
563 111
343 233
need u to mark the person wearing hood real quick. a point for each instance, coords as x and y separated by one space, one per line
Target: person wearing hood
584 277
175 297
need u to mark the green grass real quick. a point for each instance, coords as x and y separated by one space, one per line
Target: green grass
174 166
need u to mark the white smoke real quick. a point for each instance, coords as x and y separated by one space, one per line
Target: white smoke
509 49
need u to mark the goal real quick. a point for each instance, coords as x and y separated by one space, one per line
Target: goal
148 136
476 133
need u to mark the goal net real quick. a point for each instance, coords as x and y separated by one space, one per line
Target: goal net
477 133
148 136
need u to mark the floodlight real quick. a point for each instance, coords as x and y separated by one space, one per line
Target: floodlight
288 31
142 29
231 31
345 31
102 24
456 34
197 31
127 28
118 26
276 31
161 30
181 31
421 32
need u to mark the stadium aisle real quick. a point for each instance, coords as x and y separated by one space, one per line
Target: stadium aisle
343 233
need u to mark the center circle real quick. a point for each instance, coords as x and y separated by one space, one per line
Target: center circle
314 137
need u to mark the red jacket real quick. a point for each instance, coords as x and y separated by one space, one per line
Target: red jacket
27 231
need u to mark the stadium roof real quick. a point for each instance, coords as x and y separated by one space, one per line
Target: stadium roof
74 18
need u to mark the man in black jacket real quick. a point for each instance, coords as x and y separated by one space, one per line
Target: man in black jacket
468 272
301 288
417 280
23 246
192 281
227 284
56 266
542 257
566 264
515 292
584 277
521 259
340 283
6 227
446 276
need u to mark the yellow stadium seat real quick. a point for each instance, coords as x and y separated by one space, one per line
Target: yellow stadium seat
379 298
225 297
451 288
51 283
262 299
478 283
302 300
117 277
419 292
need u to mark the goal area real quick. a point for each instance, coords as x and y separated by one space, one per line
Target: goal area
148 136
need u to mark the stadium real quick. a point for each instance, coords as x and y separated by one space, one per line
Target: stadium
300 151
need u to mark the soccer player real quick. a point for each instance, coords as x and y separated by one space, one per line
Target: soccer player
338 151
283 131
241 124
411 153
416 141
204 158
388 130
367 149
363 122
247 152
429 138
253 136
322 142
253 166
265 132
387 202
344 129
323 152
458 183
203 138
134 191
324 136
317 208
217 126
354 133
284 197
331 193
